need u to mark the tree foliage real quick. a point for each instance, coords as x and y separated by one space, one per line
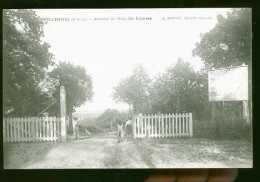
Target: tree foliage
25 60
134 90
77 82
110 118
229 42
179 89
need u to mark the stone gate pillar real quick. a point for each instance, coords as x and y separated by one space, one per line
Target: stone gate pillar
63 114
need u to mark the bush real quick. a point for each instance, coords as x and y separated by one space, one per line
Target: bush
226 129
107 121
92 129
110 117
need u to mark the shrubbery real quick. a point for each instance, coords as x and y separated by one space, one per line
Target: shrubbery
106 122
225 129
110 117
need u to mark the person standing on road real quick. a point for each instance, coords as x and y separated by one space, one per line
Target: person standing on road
120 131
128 129
76 125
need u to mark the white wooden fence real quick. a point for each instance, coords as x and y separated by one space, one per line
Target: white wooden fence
161 126
31 129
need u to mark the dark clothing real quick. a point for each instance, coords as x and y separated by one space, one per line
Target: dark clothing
128 130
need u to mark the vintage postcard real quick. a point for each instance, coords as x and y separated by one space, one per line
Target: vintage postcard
127 88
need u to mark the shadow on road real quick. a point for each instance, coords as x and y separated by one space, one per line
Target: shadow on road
141 148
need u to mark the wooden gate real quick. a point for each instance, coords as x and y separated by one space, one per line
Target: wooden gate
31 129
161 126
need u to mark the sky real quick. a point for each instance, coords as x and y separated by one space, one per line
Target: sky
108 44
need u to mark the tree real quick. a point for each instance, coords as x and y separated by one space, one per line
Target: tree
179 89
78 86
134 90
25 60
229 42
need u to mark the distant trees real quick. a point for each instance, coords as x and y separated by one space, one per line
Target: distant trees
25 61
110 117
134 90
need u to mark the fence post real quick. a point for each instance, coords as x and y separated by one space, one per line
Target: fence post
4 130
145 128
63 114
134 128
163 116
190 124
149 127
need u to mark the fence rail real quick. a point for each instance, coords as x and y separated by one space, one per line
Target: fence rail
33 129
161 126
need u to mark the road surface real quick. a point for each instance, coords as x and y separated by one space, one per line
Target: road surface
103 151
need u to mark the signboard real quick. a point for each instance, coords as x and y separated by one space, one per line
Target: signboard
228 84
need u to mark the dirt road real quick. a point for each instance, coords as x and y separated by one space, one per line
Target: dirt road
103 151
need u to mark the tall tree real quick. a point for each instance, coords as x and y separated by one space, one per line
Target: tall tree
78 85
229 42
134 90
179 89
25 60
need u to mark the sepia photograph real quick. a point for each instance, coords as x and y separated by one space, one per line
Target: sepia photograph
127 88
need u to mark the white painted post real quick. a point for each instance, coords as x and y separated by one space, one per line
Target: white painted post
191 124
24 129
55 128
36 129
14 129
7 129
152 134
18 130
142 126
63 114
145 127
21 129
158 125
177 124
11 130
4 130
149 126
173 121
50 128
182 124
32 129
170 124
166 127
134 128
162 125
44 128
180 119
137 127
29 129
186 124
40 128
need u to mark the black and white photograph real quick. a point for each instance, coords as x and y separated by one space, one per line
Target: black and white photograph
127 88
